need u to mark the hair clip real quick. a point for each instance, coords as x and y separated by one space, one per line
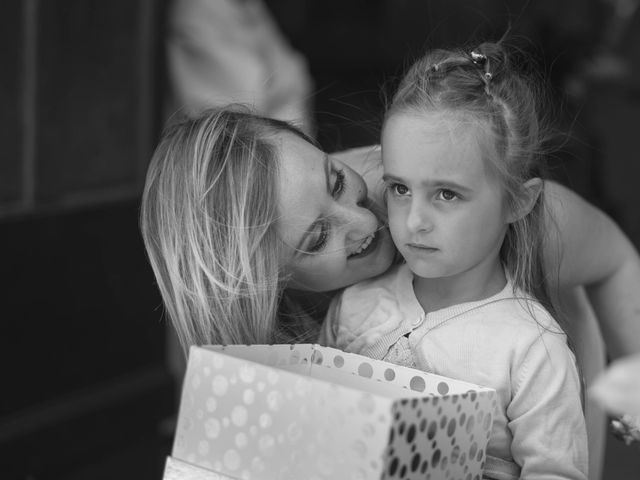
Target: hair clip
478 58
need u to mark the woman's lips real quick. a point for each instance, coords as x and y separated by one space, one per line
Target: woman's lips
370 244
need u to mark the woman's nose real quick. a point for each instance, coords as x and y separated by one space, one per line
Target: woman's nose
354 214
355 220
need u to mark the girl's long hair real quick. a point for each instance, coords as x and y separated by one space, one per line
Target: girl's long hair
482 85
208 216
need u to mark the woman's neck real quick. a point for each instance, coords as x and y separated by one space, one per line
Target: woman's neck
478 283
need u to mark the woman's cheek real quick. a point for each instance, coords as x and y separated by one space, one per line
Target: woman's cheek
331 271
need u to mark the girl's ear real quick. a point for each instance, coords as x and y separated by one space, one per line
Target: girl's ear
531 190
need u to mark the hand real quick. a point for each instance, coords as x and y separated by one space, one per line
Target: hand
618 391
618 388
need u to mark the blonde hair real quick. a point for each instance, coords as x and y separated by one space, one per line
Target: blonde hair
208 216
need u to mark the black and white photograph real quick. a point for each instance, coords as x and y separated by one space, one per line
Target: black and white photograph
320 239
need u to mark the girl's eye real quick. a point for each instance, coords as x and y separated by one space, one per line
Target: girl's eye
339 184
447 195
399 189
321 241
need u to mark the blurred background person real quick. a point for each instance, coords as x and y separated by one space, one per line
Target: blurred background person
228 51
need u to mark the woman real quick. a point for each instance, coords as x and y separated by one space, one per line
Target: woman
249 228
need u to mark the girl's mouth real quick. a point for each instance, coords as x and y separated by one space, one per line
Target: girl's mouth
421 248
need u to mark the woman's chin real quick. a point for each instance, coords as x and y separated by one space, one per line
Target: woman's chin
377 261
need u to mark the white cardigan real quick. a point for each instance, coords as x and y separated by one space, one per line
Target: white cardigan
508 342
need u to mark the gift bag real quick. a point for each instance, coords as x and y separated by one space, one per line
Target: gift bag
309 412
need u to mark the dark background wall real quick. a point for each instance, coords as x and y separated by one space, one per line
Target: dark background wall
86 391
82 341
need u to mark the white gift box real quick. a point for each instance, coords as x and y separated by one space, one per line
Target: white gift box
309 412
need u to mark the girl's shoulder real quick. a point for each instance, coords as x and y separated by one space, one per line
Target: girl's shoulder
522 313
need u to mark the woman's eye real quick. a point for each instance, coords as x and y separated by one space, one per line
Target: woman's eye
321 241
447 195
339 184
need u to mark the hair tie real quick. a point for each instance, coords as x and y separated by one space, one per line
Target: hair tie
478 58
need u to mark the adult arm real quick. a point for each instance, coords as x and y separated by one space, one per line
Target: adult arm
586 247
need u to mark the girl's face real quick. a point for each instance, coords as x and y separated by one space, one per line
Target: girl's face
332 238
445 207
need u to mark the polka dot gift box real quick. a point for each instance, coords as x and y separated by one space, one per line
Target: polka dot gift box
310 412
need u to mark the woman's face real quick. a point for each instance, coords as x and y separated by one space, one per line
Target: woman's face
332 238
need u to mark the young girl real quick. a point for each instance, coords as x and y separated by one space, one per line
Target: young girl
461 149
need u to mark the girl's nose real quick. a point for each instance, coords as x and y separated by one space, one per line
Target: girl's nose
419 218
